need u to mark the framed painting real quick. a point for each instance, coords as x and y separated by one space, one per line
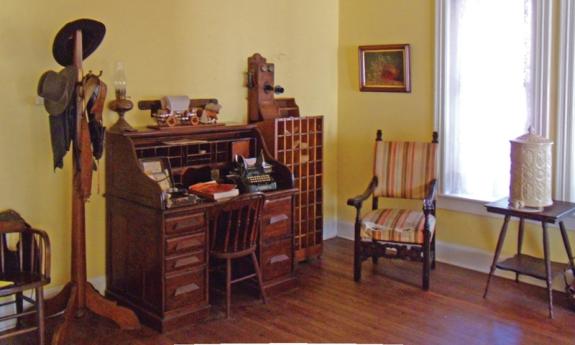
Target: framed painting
384 68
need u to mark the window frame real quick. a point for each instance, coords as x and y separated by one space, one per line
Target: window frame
541 101
566 102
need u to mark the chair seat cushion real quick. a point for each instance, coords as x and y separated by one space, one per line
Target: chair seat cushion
395 225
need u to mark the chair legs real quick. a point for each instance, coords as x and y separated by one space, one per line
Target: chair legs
433 252
229 282
426 261
19 306
40 318
356 264
357 252
259 275
228 287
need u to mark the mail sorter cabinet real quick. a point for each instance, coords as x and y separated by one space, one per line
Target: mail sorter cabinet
157 253
297 142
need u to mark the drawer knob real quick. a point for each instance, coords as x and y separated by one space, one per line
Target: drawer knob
277 219
187 244
186 289
186 224
278 258
186 261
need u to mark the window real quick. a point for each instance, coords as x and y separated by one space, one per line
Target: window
492 84
566 108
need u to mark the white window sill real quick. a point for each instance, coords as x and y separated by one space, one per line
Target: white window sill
477 207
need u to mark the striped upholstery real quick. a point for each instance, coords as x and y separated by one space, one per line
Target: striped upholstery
404 169
395 225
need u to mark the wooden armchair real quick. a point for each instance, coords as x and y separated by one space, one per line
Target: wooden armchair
24 265
404 170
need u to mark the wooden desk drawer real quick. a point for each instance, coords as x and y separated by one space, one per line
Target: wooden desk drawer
185 261
277 206
185 244
276 226
192 223
186 289
277 259
276 219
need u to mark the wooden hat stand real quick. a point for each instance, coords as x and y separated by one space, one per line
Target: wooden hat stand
78 294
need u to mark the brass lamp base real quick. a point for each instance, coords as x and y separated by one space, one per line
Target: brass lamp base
121 106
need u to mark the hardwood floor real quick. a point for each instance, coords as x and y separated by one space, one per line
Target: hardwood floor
388 306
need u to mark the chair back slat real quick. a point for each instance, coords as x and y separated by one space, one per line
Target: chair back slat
227 226
237 214
234 223
24 250
2 254
33 252
21 252
404 169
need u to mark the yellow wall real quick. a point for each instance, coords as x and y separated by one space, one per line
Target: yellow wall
200 48
192 47
403 116
400 115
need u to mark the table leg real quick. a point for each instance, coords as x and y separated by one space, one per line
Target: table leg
497 252
567 246
519 242
547 268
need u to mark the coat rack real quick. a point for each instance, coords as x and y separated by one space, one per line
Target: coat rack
78 294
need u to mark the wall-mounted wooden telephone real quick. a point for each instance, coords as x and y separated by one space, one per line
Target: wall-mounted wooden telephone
261 90
253 175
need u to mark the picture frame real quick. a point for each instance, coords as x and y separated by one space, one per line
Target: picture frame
385 68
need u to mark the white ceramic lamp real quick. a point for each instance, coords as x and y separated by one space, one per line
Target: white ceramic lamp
530 186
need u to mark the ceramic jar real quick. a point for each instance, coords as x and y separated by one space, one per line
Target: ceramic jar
530 184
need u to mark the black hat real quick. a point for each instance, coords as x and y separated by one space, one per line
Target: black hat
92 35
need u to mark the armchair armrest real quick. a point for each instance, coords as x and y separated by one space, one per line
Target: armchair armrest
358 200
429 200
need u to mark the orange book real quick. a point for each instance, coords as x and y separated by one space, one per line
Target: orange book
214 191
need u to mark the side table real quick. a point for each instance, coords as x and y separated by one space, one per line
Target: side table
538 268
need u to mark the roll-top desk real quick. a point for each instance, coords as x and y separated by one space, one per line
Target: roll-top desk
157 256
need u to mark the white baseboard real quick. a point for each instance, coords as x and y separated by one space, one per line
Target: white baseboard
330 229
345 230
465 257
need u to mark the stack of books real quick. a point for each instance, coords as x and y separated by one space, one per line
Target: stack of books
214 191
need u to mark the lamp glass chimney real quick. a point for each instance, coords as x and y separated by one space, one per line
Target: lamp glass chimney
120 81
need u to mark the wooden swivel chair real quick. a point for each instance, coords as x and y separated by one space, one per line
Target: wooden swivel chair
403 170
24 265
234 227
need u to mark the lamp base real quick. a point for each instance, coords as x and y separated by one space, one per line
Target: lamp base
121 106
122 126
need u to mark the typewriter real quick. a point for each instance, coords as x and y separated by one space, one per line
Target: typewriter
253 174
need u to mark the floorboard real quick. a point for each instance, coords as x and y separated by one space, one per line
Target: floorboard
387 306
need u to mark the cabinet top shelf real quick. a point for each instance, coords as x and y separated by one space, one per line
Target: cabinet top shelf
183 130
